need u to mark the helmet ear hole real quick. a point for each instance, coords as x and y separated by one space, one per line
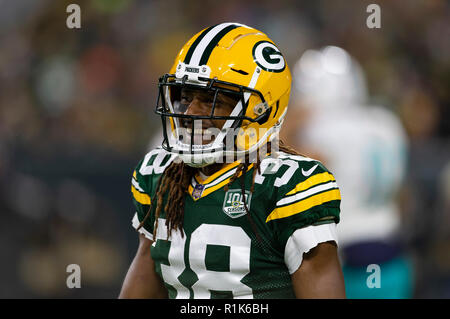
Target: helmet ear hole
265 116
262 111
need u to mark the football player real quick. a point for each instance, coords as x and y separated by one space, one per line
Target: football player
214 220
365 146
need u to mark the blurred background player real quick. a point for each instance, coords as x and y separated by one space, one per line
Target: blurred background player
365 147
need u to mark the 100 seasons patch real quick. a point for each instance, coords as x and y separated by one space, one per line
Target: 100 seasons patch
233 203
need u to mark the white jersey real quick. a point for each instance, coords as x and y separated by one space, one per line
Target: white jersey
365 148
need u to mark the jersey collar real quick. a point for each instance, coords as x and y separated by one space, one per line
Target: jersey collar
200 188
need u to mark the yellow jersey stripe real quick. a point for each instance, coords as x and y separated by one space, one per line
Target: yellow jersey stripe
134 175
141 198
208 191
301 206
312 181
217 174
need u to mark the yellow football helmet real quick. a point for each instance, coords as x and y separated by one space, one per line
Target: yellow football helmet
228 59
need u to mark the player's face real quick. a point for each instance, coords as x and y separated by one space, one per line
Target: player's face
200 102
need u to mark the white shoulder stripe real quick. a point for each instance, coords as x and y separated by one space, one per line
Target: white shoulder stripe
306 193
136 185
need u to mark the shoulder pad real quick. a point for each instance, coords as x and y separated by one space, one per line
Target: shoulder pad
302 185
145 175
288 169
155 162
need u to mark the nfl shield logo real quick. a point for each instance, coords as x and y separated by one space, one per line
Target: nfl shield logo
233 203
198 191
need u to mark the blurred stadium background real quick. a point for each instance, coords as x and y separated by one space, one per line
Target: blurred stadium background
76 115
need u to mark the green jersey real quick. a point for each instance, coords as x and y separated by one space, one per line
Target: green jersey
223 252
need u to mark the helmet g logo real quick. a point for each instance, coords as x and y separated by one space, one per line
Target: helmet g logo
267 56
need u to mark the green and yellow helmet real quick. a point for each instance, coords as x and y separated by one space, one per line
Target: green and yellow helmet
235 60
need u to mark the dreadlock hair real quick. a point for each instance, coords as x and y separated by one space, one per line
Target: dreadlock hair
175 181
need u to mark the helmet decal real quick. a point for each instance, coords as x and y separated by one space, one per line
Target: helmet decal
268 57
